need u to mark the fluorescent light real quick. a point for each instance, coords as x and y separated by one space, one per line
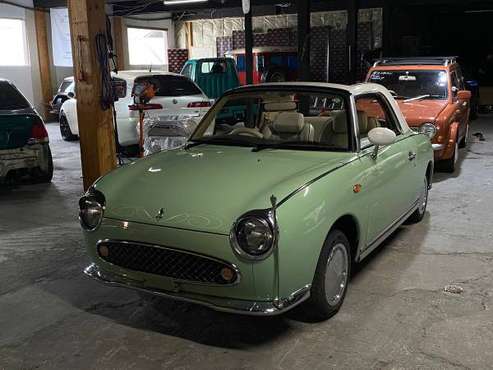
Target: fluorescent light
183 2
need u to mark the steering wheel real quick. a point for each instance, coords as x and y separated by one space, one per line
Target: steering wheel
247 132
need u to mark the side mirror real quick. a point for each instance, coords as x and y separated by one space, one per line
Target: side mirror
71 95
381 136
464 95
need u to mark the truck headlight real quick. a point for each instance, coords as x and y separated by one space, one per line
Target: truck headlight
253 236
91 209
429 129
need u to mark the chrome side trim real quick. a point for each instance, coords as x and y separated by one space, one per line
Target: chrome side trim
438 146
228 264
237 306
386 233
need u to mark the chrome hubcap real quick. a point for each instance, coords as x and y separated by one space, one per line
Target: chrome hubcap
423 198
336 274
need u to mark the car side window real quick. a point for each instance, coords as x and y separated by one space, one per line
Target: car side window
373 112
187 71
455 81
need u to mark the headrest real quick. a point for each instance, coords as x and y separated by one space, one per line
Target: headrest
289 122
363 121
339 126
280 106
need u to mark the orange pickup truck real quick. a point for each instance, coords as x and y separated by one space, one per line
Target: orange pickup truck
431 94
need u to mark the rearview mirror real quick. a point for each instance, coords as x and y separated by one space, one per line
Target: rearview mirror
380 136
464 95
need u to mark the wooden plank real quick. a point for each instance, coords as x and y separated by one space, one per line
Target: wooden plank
118 25
43 59
97 141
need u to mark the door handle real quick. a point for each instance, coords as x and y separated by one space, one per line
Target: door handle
411 156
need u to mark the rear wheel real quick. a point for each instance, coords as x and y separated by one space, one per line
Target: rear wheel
44 173
331 277
65 130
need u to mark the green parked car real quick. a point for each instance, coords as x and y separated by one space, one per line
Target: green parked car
260 216
24 144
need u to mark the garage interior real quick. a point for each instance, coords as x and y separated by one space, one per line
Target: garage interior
421 300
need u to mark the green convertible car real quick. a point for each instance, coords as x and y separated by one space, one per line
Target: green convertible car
256 217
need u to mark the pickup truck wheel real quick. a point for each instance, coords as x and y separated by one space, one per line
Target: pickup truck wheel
419 213
65 130
449 165
44 173
331 277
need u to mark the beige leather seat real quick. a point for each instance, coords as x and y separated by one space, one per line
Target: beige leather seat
366 123
291 126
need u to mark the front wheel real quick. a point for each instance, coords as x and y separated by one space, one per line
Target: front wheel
331 277
449 165
419 213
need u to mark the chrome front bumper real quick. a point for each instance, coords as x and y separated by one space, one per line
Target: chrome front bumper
237 306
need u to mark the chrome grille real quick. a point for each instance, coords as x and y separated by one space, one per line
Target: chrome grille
165 261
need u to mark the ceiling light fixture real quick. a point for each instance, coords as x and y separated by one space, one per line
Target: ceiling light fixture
183 2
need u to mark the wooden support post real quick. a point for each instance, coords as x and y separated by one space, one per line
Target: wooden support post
352 36
118 42
189 32
97 141
44 59
249 47
304 27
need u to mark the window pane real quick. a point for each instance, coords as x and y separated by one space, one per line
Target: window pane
171 85
147 47
10 98
12 42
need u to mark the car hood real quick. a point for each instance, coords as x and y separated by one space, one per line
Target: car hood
207 188
421 111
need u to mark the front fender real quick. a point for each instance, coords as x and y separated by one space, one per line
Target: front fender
304 223
452 138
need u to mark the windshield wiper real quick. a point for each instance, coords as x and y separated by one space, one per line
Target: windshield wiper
417 98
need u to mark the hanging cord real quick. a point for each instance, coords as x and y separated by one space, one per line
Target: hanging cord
108 94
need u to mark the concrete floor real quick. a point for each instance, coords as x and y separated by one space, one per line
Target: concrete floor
396 314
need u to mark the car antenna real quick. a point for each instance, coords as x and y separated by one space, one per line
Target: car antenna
150 68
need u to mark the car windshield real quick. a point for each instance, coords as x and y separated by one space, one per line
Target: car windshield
413 84
10 98
282 119
64 86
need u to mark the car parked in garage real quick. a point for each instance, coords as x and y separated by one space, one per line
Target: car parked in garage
261 216
433 98
66 91
176 96
24 143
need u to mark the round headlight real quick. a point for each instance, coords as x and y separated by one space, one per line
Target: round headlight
253 237
429 129
91 210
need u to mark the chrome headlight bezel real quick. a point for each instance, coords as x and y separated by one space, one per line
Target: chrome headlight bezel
264 219
91 202
428 129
